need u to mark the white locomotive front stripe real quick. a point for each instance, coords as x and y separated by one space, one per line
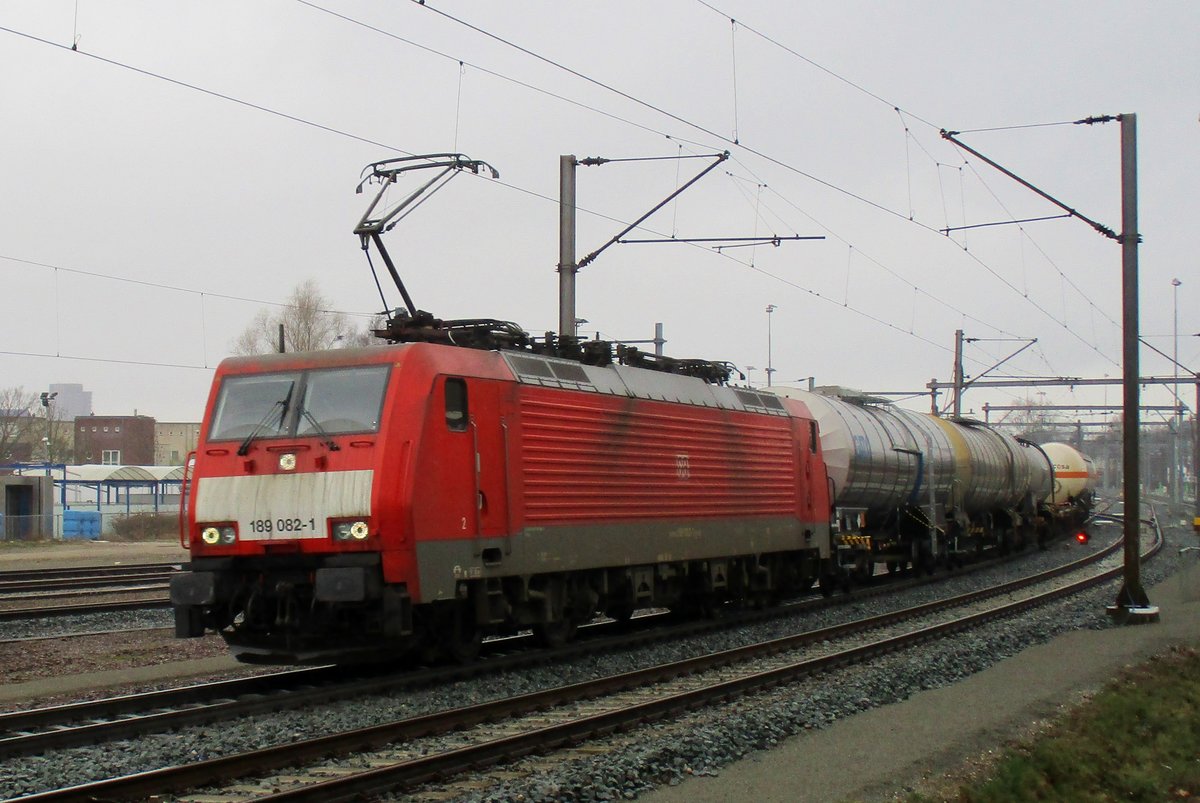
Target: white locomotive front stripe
284 506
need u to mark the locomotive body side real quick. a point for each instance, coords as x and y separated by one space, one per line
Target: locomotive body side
627 488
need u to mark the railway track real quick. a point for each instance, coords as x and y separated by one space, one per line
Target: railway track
48 593
387 756
44 611
82 634
127 716
85 577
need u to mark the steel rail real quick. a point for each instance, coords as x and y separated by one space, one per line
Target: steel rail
84 583
87 571
11 614
83 633
407 773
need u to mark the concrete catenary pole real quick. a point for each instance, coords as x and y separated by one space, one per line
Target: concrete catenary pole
1176 483
1132 603
567 268
770 367
958 372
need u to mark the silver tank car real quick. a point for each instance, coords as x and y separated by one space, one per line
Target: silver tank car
884 461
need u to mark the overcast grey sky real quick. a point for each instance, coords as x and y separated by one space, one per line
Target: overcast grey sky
144 221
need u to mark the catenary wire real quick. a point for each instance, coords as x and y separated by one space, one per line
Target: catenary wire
902 113
106 360
476 67
1040 250
367 140
161 286
330 129
773 160
202 90
1012 217
817 65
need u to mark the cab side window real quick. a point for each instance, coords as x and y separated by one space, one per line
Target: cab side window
456 405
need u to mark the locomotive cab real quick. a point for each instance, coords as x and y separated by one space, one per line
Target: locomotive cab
284 520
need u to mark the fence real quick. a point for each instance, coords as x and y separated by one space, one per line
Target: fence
116 523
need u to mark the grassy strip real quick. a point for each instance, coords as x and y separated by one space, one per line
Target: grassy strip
1139 739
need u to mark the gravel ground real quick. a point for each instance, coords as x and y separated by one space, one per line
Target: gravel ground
660 755
72 655
703 744
70 554
86 623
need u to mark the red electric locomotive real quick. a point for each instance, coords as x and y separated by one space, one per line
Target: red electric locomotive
419 496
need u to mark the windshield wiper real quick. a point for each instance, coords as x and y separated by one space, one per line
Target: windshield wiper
328 442
282 405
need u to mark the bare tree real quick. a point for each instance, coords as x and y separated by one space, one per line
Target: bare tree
57 437
308 325
18 424
366 335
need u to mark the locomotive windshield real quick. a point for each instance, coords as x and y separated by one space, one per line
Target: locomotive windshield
249 403
331 401
343 400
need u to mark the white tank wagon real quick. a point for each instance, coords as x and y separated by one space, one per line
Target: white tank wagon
1075 474
913 487
1070 499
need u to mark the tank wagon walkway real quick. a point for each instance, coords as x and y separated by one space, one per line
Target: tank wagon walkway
879 754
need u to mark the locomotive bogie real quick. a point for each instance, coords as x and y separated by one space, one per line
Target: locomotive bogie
315 612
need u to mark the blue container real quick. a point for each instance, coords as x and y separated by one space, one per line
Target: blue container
81 524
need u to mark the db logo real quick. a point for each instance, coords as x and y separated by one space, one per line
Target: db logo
682 469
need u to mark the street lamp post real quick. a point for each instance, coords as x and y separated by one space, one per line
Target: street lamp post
1196 454
770 369
47 405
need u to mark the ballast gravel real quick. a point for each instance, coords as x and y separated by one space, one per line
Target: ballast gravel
86 623
654 755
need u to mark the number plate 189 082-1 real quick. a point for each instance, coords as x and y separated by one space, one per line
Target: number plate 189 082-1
282 526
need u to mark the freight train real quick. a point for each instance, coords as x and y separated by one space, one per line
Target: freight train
412 498
468 480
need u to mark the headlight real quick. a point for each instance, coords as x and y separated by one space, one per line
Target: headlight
351 530
219 535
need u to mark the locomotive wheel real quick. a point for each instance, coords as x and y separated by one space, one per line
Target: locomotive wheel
827 585
464 649
464 642
620 613
554 634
